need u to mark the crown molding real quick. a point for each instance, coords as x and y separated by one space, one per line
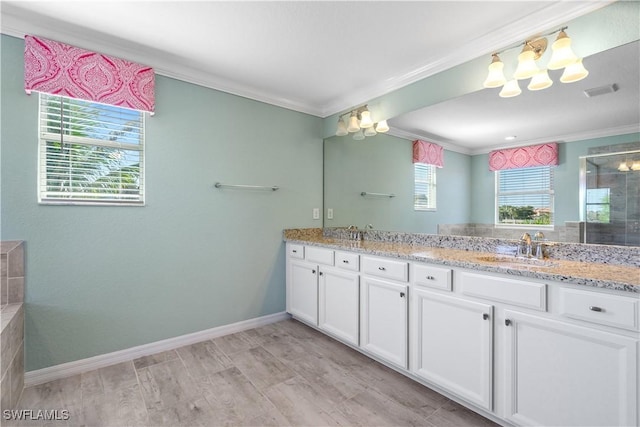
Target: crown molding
560 12
572 137
556 14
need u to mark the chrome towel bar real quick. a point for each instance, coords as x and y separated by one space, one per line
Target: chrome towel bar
365 193
246 187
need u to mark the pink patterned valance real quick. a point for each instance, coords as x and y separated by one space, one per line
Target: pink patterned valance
428 153
59 69
524 157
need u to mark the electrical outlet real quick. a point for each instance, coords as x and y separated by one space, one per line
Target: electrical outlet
329 213
316 213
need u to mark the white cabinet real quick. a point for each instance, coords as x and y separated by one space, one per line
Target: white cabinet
562 374
383 319
302 295
452 344
339 300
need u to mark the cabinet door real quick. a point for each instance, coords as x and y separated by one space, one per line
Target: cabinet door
383 323
452 344
339 300
568 375
303 291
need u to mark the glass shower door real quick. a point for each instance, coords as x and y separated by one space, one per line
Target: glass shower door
610 199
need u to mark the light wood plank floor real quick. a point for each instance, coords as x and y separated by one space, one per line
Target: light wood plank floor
283 374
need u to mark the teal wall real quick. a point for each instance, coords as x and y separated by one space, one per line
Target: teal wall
566 180
383 164
101 279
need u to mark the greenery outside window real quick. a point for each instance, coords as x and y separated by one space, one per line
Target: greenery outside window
89 153
599 205
425 187
524 197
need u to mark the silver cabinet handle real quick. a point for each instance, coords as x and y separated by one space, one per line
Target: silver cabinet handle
294 251
321 273
594 308
381 268
346 261
431 278
401 294
507 322
485 316
313 271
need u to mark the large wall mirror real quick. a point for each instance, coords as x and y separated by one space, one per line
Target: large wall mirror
468 128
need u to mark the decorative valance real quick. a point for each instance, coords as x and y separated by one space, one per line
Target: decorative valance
428 153
59 69
524 157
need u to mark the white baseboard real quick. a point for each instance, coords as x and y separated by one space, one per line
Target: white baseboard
64 370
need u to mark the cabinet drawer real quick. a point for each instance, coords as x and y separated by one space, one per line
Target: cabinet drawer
515 292
390 269
348 261
319 255
296 251
612 310
432 277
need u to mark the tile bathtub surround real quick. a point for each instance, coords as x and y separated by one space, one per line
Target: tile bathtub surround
281 374
12 355
602 254
12 320
12 272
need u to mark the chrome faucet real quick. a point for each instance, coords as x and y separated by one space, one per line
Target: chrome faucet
539 239
524 247
354 233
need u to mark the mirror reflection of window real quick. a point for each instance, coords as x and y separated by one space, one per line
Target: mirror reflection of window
598 205
524 197
424 198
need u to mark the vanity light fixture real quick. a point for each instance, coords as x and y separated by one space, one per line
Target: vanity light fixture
562 57
360 124
627 166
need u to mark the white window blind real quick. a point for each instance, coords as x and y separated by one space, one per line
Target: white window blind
524 196
90 153
425 187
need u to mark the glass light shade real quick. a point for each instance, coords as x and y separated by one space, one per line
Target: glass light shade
365 119
562 53
342 128
496 77
510 89
353 124
635 166
574 72
526 65
382 126
370 131
623 167
540 81
358 136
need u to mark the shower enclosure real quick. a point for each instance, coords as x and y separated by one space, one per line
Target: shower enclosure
609 199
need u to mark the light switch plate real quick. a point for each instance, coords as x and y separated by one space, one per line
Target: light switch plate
316 213
329 213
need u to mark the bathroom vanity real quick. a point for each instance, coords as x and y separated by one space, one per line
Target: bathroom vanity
524 343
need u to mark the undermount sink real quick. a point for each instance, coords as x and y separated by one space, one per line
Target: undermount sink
506 261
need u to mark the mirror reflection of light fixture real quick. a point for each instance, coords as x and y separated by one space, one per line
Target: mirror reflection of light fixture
510 89
342 128
382 126
353 123
574 72
562 57
360 124
540 81
624 166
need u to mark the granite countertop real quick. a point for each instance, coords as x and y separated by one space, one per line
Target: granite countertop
599 275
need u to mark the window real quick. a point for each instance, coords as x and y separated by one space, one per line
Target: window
90 153
598 205
524 196
424 198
